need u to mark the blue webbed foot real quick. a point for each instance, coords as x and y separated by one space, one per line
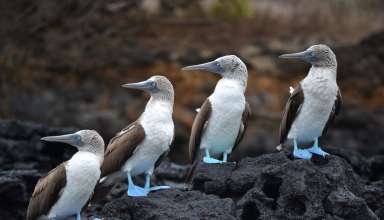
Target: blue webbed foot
135 191
78 216
211 160
317 150
302 153
158 188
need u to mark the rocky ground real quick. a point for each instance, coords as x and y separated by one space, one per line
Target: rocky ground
345 185
62 64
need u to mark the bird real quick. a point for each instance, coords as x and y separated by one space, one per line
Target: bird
221 121
65 190
313 104
140 147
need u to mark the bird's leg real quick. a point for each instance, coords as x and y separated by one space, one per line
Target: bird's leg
209 159
78 216
300 153
155 187
147 181
315 149
225 157
134 190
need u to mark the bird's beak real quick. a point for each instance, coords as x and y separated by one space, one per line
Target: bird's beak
305 55
149 85
72 139
212 67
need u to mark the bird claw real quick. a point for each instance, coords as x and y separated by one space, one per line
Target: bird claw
302 153
158 188
318 151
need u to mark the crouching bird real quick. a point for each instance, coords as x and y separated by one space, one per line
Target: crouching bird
221 121
65 190
140 146
313 104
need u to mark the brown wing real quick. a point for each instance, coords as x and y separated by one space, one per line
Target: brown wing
291 109
243 125
335 111
121 147
197 129
47 192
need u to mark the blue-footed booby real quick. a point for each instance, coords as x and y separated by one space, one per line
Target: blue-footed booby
140 146
65 190
222 119
313 104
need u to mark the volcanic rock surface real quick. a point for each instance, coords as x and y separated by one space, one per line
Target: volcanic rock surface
344 185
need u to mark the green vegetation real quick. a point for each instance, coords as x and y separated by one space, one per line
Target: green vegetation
231 9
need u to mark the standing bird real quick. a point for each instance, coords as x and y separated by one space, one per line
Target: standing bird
222 119
313 104
66 189
140 146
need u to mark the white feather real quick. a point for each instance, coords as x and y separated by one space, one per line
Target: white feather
291 89
320 91
228 103
159 130
82 174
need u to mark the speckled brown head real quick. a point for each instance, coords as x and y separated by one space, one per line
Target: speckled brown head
229 66
318 55
84 140
158 86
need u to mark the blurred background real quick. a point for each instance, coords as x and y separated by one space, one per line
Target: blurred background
62 63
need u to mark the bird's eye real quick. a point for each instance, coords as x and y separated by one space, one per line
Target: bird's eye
154 84
78 139
313 54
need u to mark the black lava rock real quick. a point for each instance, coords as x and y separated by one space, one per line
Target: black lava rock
273 186
170 204
344 185
21 147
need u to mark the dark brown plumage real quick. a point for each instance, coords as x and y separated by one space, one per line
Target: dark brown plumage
292 108
335 111
201 121
47 192
197 129
121 147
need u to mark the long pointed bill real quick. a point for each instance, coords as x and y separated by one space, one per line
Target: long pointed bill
301 55
72 139
144 85
212 67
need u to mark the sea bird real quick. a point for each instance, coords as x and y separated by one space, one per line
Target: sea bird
221 121
65 190
313 104
140 146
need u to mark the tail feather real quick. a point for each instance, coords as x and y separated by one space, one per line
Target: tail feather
279 147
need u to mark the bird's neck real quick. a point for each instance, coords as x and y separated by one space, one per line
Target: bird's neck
164 96
241 77
157 103
328 72
227 83
98 154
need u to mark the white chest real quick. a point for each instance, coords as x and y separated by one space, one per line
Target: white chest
158 125
228 103
159 131
82 174
320 92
